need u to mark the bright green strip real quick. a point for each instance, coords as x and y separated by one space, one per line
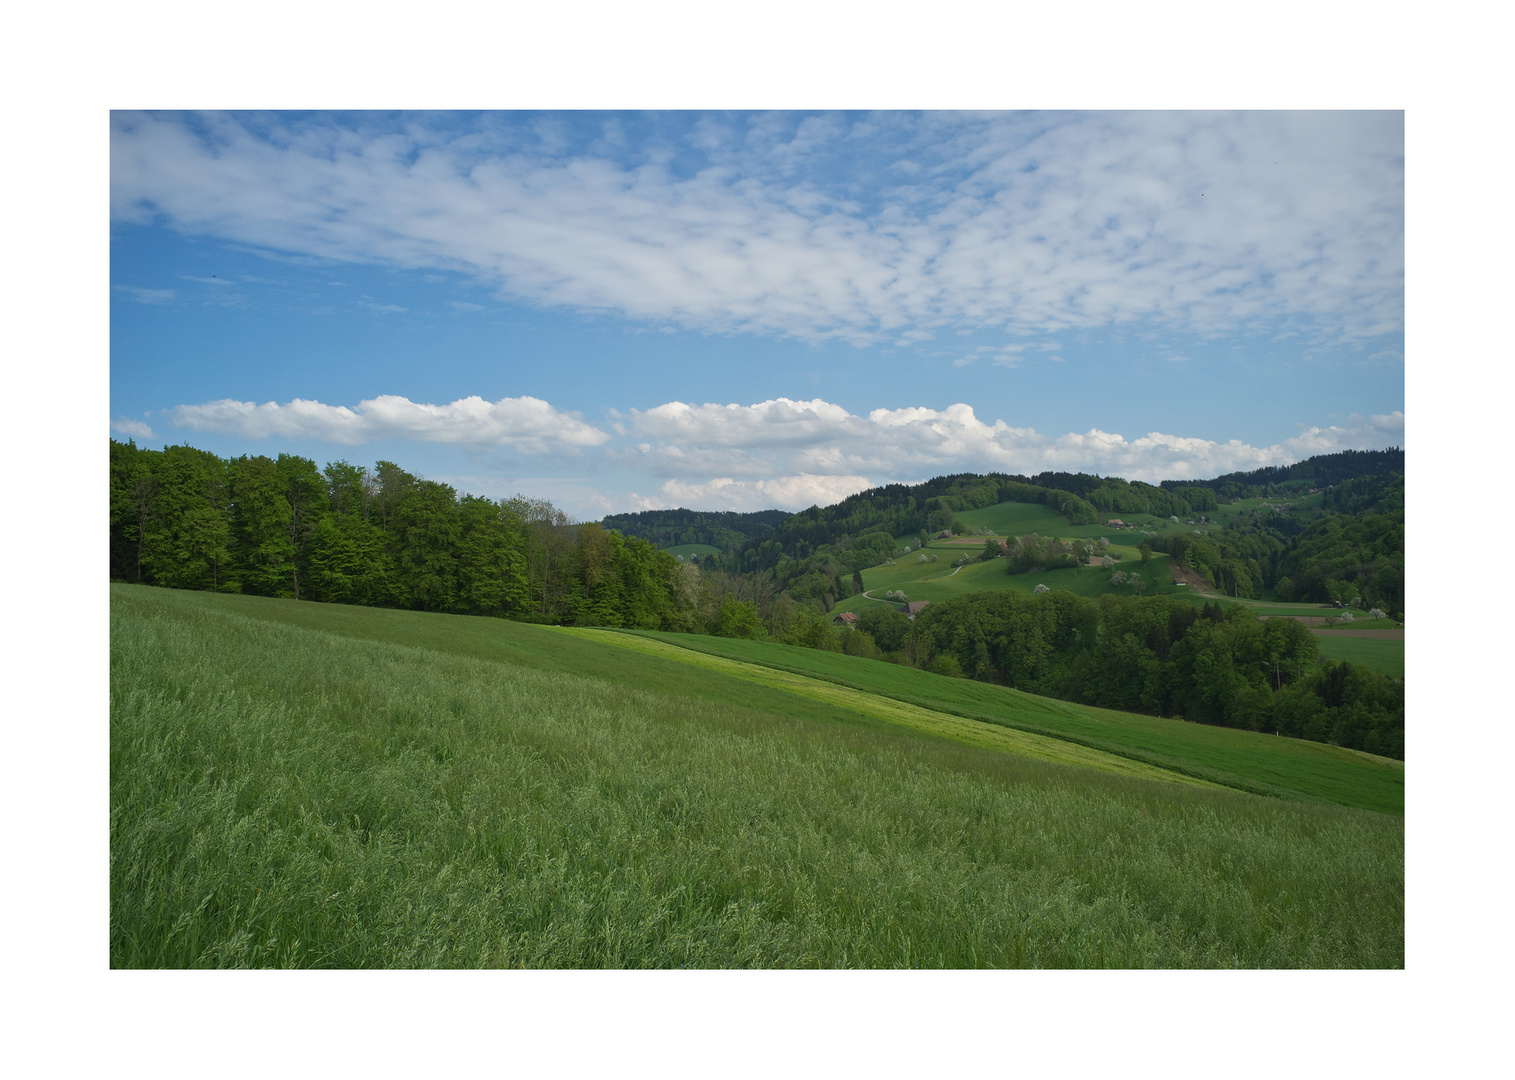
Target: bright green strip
944 725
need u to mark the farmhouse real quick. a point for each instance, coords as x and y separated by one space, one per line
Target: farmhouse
1117 522
915 607
846 618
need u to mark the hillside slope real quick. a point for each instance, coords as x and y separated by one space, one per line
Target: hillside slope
317 786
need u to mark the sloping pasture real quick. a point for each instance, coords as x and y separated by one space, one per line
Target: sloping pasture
307 785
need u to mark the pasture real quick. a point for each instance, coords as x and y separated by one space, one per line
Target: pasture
1381 654
686 551
305 785
1014 519
940 580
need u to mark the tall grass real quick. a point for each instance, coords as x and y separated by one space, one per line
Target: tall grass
290 797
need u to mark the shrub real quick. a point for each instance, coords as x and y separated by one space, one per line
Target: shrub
946 663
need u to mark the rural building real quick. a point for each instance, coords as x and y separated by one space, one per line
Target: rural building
915 607
1117 522
846 618
944 534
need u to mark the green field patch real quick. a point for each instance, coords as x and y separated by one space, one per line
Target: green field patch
940 580
1379 654
1272 607
1014 519
685 551
1265 764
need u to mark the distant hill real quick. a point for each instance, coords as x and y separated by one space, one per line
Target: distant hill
723 529
1321 471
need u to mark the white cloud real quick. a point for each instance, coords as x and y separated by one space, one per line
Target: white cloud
779 492
528 424
135 429
1206 222
815 439
149 296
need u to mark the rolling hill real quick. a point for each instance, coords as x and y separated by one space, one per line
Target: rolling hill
318 785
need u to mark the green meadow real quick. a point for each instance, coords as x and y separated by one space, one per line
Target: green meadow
1015 519
940 580
685 551
1383 655
308 785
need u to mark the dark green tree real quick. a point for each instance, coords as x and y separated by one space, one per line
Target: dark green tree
427 530
261 527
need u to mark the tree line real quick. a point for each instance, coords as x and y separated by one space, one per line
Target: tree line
185 518
1320 471
724 529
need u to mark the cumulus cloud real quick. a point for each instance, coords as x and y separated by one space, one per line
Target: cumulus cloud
806 226
816 439
780 492
528 424
135 429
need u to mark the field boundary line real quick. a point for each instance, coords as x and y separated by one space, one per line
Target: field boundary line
1196 772
969 730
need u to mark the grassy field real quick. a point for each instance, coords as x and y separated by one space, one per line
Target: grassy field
1015 519
940 580
1266 764
1018 519
687 550
1376 653
319 786
937 580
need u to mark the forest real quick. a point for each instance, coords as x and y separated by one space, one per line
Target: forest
1353 551
187 519
724 529
1164 657
1321 471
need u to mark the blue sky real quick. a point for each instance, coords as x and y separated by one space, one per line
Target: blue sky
619 311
